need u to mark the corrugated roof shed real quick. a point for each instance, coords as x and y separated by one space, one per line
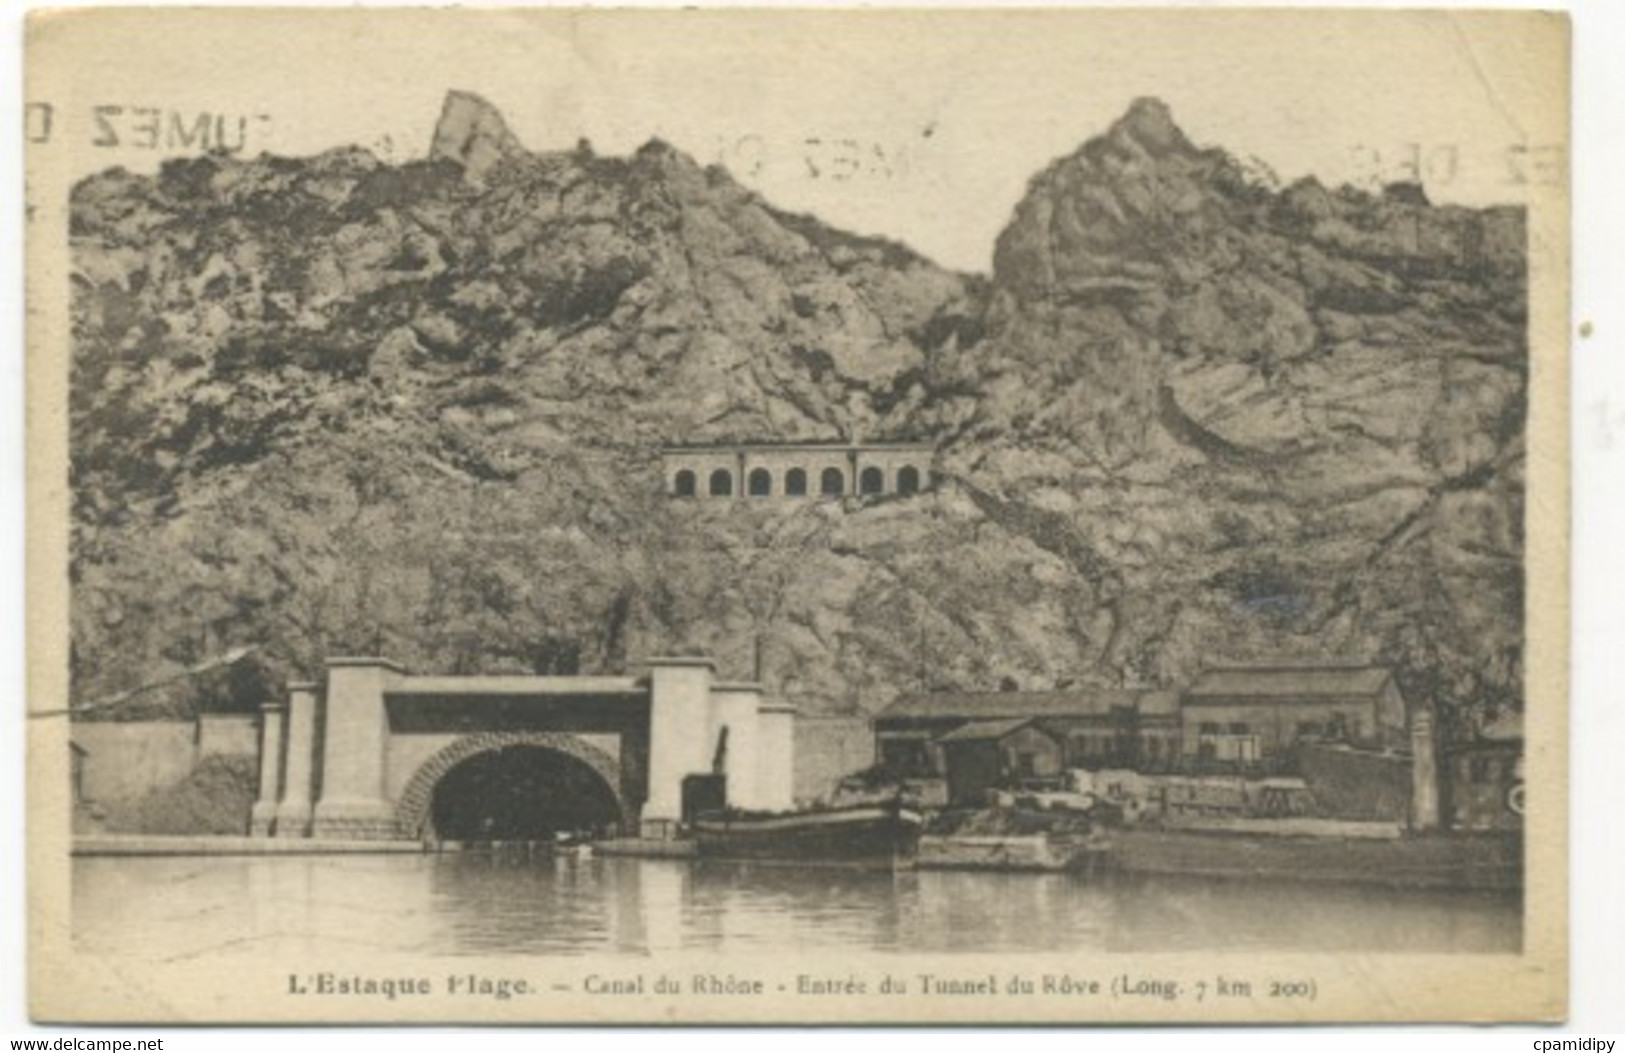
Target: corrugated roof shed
995 705
983 730
1290 681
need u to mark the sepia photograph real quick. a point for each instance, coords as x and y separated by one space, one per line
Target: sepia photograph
747 516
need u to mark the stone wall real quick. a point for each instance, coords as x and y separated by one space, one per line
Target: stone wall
123 761
828 748
228 734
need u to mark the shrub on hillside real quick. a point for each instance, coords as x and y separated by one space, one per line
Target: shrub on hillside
214 799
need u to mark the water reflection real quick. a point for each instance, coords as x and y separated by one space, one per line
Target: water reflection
493 905
486 904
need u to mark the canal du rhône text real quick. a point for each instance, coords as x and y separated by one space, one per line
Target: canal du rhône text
838 984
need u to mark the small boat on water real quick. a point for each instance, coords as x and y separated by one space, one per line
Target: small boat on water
875 833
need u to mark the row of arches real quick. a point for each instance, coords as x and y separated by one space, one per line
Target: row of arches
759 482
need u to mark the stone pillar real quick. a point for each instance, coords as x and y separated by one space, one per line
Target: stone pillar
736 708
1424 772
633 753
293 811
262 822
776 756
679 739
354 805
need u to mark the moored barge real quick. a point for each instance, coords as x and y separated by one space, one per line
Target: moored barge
872 834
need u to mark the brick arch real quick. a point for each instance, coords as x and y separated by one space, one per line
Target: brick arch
412 810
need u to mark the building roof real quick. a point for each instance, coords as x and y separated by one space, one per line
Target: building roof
520 686
983 730
1010 705
1290 682
1159 703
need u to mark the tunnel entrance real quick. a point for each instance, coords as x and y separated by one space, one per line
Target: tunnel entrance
522 793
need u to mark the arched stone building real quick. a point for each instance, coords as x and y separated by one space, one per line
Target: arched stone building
797 471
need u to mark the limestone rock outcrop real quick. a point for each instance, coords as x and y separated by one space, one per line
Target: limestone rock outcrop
332 405
472 134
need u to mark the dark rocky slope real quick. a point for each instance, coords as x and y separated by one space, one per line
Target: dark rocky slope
330 405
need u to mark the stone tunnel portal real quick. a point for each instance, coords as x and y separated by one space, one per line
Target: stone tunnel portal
522 793
378 753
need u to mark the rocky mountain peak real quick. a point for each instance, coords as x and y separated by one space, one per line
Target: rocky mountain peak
1149 125
1111 211
472 133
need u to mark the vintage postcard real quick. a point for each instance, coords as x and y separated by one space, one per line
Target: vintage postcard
817 516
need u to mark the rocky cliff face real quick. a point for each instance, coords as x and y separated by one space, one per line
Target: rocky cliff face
330 405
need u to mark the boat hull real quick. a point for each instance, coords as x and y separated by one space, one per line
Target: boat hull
855 835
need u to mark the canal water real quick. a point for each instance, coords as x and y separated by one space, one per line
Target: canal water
195 907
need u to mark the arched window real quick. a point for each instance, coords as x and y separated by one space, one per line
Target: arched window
908 479
760 483
871 481
684 484
832 483
722 483
795 483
